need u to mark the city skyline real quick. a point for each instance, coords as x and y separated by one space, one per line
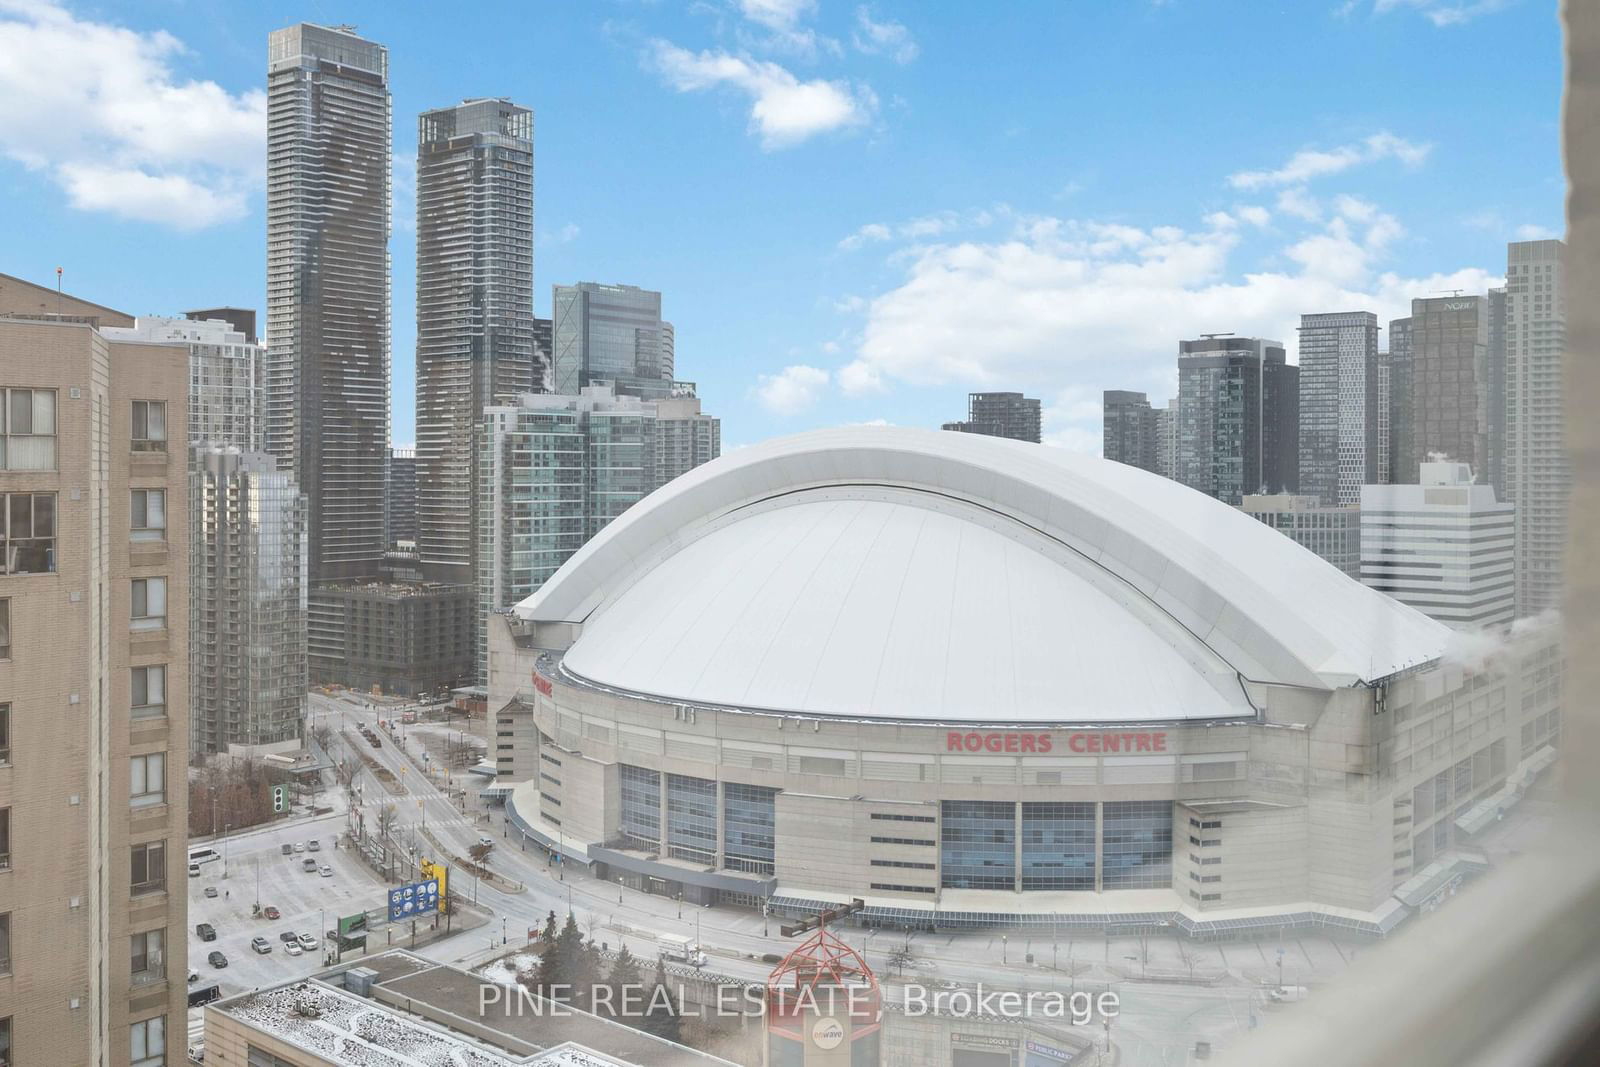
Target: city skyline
855 260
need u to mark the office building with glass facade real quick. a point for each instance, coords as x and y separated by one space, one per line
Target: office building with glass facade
1238 417
899 665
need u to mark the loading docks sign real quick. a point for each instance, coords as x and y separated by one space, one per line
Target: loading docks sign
413 899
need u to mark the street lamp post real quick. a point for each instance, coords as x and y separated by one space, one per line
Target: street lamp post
619 889
1003 943
680 906
225 829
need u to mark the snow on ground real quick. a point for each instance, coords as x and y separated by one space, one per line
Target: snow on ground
504 971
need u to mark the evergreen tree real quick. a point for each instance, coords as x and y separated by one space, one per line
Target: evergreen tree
661 1011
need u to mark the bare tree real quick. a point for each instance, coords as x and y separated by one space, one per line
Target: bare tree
388 817
480 852
322 734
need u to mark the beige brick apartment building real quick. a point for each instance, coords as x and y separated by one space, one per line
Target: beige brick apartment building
93 688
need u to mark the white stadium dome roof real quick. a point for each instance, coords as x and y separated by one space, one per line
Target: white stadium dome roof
912 575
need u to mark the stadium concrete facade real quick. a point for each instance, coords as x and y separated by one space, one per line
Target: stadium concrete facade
980 682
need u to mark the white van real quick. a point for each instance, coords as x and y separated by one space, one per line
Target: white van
203 854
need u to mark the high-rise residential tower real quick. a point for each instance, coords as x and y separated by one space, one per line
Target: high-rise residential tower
610 334
475 324
1009 415
328 196
1167 439
1402 450
1129 429
1538 471
1444 546
1238 404
247 581
1449 384
400 498
247 603
94 694
1338 450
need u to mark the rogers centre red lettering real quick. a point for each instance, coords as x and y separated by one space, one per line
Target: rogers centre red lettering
1099 741
543 685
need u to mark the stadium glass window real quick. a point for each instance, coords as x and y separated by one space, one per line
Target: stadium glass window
149 426
748 818
28 430
1058 846
28 541
691 818
1137 844
641 805
977 844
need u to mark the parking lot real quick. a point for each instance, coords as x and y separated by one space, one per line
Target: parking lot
308 903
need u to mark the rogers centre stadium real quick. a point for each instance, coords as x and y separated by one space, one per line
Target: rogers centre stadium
976 682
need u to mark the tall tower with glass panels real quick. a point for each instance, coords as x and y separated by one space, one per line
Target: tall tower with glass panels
1537 471
475 324
1338 450
610 334
1238 417
328 200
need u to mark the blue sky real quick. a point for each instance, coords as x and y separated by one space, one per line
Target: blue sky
855 212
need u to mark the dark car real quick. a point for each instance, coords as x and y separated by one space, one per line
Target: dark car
270 912
217 959
288 848
287 936
206 931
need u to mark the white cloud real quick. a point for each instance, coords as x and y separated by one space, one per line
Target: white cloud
883 38
871 232
783 109
1311 163
925 226
1533 232
568 233
776 14
1438 12
101 109
792 390
1254 214
1061 303
1299 203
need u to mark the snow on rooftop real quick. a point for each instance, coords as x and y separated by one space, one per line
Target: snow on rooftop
351 1030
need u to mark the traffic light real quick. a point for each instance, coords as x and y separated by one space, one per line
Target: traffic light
280 799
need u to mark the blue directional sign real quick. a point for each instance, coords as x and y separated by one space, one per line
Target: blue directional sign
414 899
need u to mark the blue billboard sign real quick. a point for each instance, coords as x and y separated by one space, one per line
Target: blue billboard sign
413 899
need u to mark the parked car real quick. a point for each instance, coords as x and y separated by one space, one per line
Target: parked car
299 846
288 848
270 912
308 864
217 959
194 870
194 976
325 871
211 891
287 936
313 845
261 945
206 931
307 941
292 949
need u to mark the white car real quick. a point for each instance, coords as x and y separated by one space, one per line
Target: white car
307 941
299 846
325 871
292 948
